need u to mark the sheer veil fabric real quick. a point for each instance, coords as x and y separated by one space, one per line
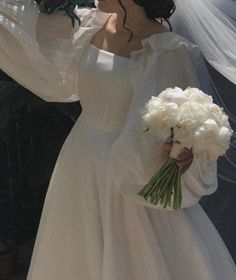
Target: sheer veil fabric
211 25
207 24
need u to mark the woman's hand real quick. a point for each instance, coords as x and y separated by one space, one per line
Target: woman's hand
185 159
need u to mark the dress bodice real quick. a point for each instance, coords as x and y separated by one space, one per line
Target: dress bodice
105 88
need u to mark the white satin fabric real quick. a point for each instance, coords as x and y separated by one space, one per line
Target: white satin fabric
93 224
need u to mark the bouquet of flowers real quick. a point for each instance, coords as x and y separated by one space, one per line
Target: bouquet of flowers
51 6
193 121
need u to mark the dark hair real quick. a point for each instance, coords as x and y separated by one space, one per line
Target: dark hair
154 9
157 8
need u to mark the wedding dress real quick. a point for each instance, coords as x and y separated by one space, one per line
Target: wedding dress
93 225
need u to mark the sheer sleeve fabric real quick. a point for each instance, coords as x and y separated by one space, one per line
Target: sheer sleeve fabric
136 156
42 52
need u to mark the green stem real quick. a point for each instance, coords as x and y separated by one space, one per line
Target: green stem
177 191
154 179
167 182
161 183
164 178
171 191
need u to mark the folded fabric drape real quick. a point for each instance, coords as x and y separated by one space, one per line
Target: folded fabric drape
43 54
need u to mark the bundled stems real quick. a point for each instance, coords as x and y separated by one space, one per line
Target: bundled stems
165 185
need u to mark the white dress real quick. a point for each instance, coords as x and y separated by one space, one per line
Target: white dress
94 226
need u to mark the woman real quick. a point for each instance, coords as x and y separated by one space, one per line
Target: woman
93 224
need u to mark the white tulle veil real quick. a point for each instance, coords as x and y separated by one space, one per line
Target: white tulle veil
211 25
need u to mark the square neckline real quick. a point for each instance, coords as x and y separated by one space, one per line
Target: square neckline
110 53
134 51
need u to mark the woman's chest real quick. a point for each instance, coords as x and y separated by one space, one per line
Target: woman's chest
104 85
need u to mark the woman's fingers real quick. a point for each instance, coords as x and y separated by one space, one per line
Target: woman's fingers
186 153
168 147
184 169
185 161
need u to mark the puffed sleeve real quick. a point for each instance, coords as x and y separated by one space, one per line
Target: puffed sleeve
135 156
41 51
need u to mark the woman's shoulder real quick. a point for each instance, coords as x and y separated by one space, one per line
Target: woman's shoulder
169 41
169 46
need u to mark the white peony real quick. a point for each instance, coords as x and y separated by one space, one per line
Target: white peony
221 144
196 120
196 95
175 95
217 113
184 136
159 117
205 135
225 121
215 110
223 137
191 115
